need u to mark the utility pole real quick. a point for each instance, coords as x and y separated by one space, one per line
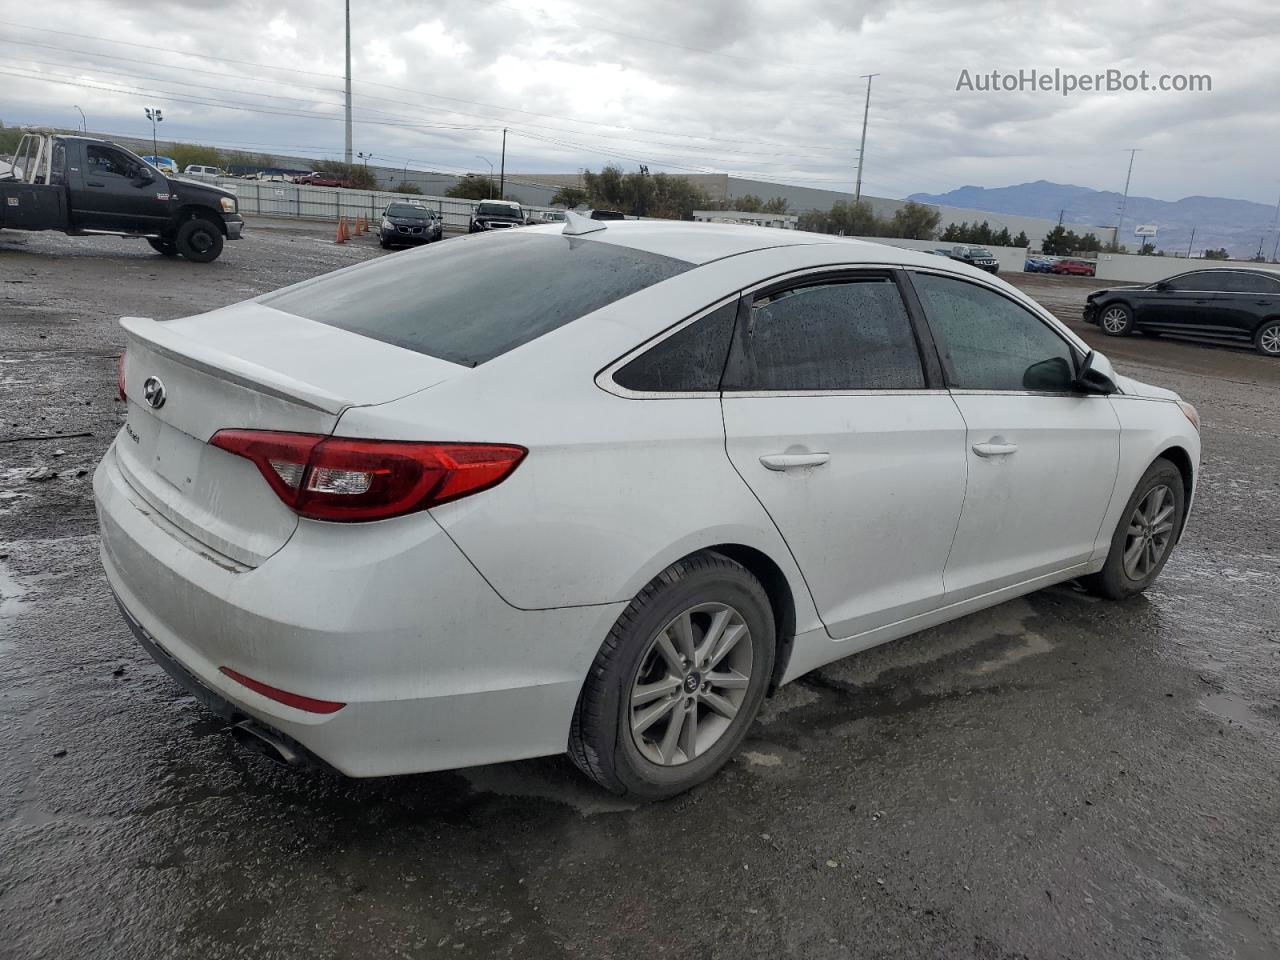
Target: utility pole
1124 201
862 147
348 152
1190 242
502 170
1276 224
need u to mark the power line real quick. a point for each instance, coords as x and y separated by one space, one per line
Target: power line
419 93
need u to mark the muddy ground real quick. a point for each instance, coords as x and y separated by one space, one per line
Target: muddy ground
1055 777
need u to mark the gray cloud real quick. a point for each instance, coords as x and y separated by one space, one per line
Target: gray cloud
764 88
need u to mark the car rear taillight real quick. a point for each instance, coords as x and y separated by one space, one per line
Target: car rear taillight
120 377
345 479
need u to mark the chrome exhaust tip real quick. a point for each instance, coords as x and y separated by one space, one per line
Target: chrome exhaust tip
253 737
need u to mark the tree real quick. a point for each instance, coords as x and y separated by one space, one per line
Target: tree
914 221
184 154
473 187
954 233
1054 242
1021 239
643 194
748 203
1003 239
776 205
1147 249
9 139
569 197
406 187
1090 243
1219 254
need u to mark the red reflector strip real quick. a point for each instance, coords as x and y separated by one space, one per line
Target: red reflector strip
296 700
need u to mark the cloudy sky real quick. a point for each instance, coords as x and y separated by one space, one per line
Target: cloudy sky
769 89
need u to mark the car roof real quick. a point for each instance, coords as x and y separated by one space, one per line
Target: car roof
701 243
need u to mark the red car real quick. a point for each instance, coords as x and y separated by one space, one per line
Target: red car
323 180
1080 268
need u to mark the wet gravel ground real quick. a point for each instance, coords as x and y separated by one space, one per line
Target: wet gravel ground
1055 777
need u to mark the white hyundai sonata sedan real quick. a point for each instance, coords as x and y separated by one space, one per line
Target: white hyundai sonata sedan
601 489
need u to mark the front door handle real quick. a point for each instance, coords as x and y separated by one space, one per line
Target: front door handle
94 183
995 447
794 461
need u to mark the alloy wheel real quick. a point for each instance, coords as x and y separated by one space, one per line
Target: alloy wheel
1114 320
1270 340
691 682
1150 533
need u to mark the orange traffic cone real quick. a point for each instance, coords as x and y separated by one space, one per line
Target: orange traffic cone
341 236
364 224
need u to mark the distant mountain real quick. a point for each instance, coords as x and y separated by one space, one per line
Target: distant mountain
1237 225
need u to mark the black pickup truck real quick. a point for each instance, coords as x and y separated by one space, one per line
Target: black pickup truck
81 185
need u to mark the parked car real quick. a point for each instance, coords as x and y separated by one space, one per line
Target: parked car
1039 265
1078 268
83 185
163 164
495 215
407 224
202 171
551 216
979 257
600 489
323 180
1238 305
606 215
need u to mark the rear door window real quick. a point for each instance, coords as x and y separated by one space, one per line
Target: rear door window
475 298
837 334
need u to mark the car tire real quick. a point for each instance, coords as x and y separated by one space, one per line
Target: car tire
199 240
1116 320
625 743
1267 340
1158 503
165 247
384 245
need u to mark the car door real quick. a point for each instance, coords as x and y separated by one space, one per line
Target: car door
1246 299
1190 304
1041 456
115 195
848 440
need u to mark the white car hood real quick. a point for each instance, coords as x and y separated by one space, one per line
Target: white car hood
1136 388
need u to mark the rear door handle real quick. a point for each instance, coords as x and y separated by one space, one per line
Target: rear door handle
793 461
995 447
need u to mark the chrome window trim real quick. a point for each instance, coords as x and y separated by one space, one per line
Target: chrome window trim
886 392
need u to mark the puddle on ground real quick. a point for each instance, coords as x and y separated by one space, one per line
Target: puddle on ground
1229 708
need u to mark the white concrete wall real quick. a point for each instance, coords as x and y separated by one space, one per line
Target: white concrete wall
1132 268
1011 259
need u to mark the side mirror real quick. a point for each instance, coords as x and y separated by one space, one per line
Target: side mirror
1048 376
1096 375
143 177
1162 285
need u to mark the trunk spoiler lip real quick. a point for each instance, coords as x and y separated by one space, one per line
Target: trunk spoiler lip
161 339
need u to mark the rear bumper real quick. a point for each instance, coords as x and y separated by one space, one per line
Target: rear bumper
435 670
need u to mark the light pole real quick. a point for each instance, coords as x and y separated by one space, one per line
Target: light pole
1124 201
862 147
490 162
155 115
1276 224
502 181
83 122
348 150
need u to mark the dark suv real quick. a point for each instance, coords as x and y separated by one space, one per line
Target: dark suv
1223 305
407 224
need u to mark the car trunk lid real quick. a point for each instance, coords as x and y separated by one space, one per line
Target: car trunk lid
247 367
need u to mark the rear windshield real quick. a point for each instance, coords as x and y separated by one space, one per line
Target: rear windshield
497 210
407 210
474 298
